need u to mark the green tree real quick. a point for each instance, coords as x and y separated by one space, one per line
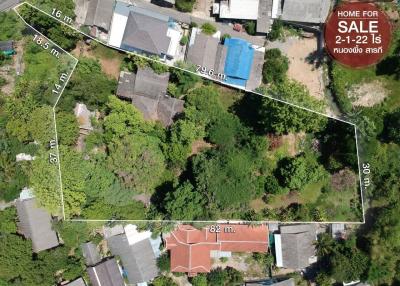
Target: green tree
184 5
392 130
138 161
208 29
88 85
199 280
67 128
275 66
123 119
184 203
41 125
8 221
250 27
163 281
279 117
299 171
164 262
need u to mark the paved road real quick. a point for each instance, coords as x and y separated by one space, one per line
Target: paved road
187 18
8 4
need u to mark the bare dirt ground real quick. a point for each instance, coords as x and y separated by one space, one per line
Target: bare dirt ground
202 9
242 262
110 66
9 72
198 146
301 70
368 94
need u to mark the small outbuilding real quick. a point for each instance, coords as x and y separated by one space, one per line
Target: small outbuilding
35 223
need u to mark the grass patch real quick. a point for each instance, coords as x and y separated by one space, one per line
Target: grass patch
311 192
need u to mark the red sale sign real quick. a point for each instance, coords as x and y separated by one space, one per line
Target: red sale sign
357 34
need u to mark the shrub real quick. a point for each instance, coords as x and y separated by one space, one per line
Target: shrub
250 27
275 67
276 30
184 40
184 5
208 29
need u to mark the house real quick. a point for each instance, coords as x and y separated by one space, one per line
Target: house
295 246
240 61
305 12
191 249
139 30
106 273
271 282
91 254
99 15
35 223
206 51
148 92
257 10
7 47
137 251
76 282
243 63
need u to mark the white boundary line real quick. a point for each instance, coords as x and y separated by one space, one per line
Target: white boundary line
54 106
206 77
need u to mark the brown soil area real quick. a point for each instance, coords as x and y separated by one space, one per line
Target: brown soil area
199 145
301 70
110 67
368 94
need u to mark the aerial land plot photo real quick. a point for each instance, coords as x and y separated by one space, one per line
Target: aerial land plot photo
199 143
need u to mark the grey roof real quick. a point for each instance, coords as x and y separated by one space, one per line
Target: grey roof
35 224
99 13
150 84
106 274
126 84
144 83
306 11
220 59
146 31
297 245
203 51
148 90
256 71
138 259
6 45
77 282
89 251
287 282
264 16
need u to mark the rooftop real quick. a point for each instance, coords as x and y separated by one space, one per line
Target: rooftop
191 248
35 224
99 13
146 31
148 92
138 258
239 60
202 49
306 11
106 273
77 282
90 253
294 246
239 9
6 45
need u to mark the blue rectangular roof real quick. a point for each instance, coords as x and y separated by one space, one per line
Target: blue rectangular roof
238 60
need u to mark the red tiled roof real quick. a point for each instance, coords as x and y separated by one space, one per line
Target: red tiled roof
190 247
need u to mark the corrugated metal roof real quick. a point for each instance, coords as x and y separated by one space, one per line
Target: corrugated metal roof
90 253
239 59
106 273
306 11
